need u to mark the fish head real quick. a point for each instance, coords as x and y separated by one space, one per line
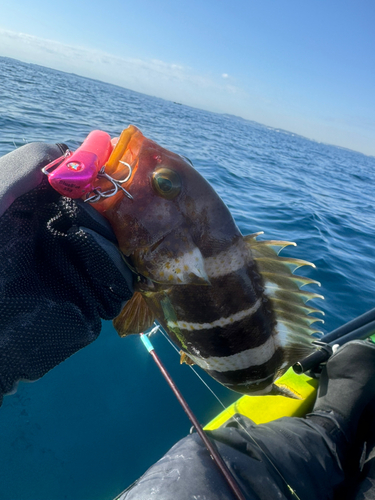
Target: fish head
174 219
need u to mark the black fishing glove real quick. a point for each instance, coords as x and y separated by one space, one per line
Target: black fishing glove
347 386
60 270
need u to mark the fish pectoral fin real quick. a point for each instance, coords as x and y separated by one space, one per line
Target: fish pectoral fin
135 317
185 359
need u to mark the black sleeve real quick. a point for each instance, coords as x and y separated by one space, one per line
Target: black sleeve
289 454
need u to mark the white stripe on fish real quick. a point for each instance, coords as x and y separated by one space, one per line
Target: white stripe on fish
176 271
222 322
241 361
227 262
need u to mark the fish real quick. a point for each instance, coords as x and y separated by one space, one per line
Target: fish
230 303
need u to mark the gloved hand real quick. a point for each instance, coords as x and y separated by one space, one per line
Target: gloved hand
347 385
60 270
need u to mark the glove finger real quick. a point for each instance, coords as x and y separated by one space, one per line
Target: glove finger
101 267
20 170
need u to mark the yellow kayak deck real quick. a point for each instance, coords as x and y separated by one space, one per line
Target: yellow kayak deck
263 409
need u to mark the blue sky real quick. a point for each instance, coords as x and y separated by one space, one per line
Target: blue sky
304 66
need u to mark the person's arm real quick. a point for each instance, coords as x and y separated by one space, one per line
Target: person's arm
60 269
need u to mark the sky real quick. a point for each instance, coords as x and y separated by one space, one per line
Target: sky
303 66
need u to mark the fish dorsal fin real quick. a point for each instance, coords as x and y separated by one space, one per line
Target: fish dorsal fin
288 282
280 265
268 248
299 297
283 289
265 253
295 308
135 317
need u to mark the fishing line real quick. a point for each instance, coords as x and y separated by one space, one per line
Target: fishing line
290 489
193 369
235 417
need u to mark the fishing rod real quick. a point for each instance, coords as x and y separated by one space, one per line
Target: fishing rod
232 483
292 492
359 328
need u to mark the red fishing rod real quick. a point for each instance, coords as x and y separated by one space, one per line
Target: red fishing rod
210 447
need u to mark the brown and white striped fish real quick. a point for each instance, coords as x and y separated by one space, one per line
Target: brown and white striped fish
227 300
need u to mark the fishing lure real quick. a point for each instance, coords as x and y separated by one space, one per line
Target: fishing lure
74 173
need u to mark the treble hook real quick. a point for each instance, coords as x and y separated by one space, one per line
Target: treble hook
116 186
130 172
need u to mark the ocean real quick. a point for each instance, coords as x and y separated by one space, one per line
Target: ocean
96 422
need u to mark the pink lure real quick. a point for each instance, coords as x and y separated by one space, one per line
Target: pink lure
75 176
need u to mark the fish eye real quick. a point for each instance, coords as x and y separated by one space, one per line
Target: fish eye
167 182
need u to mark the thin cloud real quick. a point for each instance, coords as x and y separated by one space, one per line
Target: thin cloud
155 77
176 82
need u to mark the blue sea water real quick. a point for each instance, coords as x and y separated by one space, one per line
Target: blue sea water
96 422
